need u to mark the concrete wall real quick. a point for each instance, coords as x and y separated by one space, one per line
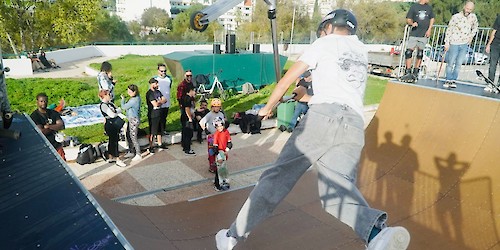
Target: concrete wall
74 54
18 67
22 67
147 50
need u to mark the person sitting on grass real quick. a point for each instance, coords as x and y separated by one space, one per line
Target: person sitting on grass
48 63
49 122
199 113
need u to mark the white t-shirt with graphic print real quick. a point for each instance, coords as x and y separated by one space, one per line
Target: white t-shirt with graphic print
164 86
339 70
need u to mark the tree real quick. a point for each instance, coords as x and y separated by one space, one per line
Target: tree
181 29
261 25
444 9
33 24
379 21
110 28
135 29
486 12
16 17
74 19
155 18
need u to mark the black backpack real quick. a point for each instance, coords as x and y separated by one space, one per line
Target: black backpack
86 154
102 150
248 123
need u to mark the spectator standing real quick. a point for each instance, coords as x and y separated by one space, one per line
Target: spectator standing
461 30
330 137
421 18
187 118
105 79
493 47
206 124
164 85
155 99
112 126
49 122
184 85
133 109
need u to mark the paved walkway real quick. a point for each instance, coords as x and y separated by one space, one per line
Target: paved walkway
171 176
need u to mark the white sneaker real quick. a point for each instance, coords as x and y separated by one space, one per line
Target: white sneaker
390 238
190 152
446 84
488 89
453 84
120 163
223 241
137 158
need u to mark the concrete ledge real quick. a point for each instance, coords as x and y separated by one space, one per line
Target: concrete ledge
18 67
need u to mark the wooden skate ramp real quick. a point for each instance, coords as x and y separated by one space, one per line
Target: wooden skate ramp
432 162
299 222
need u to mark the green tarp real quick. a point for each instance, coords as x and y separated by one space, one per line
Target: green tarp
233 70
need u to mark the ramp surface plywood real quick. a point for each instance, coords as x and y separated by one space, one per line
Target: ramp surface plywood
299 222
431 161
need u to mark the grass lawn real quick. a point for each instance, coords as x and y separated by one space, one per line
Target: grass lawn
133 69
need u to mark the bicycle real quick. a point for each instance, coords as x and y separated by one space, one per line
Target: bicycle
216 87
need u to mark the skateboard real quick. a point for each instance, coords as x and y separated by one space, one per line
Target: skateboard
222 171
492 88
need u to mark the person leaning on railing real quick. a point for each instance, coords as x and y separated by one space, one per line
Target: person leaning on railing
493 47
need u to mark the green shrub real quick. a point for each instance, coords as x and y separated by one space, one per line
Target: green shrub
133 69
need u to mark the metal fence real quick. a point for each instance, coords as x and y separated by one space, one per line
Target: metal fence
476 57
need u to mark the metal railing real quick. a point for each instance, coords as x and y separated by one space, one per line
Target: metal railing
476 57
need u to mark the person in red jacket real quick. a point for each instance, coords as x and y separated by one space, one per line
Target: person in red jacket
222 144
183 86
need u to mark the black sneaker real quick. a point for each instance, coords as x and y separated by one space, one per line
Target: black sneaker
282 128
190 152
225 186
164 146
151 150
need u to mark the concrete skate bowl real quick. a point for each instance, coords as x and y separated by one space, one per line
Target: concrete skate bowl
431 161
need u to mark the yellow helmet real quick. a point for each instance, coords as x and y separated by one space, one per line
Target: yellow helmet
216 102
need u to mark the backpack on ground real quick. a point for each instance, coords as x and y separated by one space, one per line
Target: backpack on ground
249 123
102 149
247 88
86 154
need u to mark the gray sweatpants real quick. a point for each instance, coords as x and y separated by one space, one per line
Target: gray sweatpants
330 137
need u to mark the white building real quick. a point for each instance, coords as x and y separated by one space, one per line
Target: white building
131 10
241 13
230 20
